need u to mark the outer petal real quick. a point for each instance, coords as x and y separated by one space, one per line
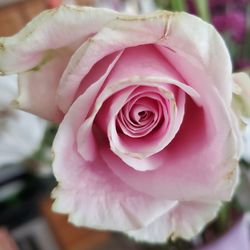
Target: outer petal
241 100
190 36
52 29
185 220
163 28
101 201
38 87
42 51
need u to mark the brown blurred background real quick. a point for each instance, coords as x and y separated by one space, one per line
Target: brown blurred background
14 14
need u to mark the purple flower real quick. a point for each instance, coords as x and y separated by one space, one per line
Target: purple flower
227 16
236 238
231 3
233 21
243 63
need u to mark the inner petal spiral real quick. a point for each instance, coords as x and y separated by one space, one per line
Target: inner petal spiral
140 116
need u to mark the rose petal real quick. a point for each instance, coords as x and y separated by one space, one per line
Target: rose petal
191 36
224 152
241 98
185 220
106 116
34 96
51 30
101 201
85 138
107 92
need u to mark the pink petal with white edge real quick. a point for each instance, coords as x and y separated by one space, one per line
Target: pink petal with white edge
102 201
241 99
51 30
190 36
185 220
85 138
37 88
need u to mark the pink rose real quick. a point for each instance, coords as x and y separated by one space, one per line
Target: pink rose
148 143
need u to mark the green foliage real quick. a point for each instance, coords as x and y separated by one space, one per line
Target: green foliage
203 9
175 5
42 153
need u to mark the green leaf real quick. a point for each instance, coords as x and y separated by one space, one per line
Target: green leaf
178 5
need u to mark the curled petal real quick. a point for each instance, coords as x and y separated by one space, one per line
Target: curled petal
85 139
37 88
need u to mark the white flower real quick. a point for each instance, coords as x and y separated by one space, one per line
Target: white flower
20 133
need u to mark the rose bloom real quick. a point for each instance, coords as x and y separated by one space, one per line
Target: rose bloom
148 143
